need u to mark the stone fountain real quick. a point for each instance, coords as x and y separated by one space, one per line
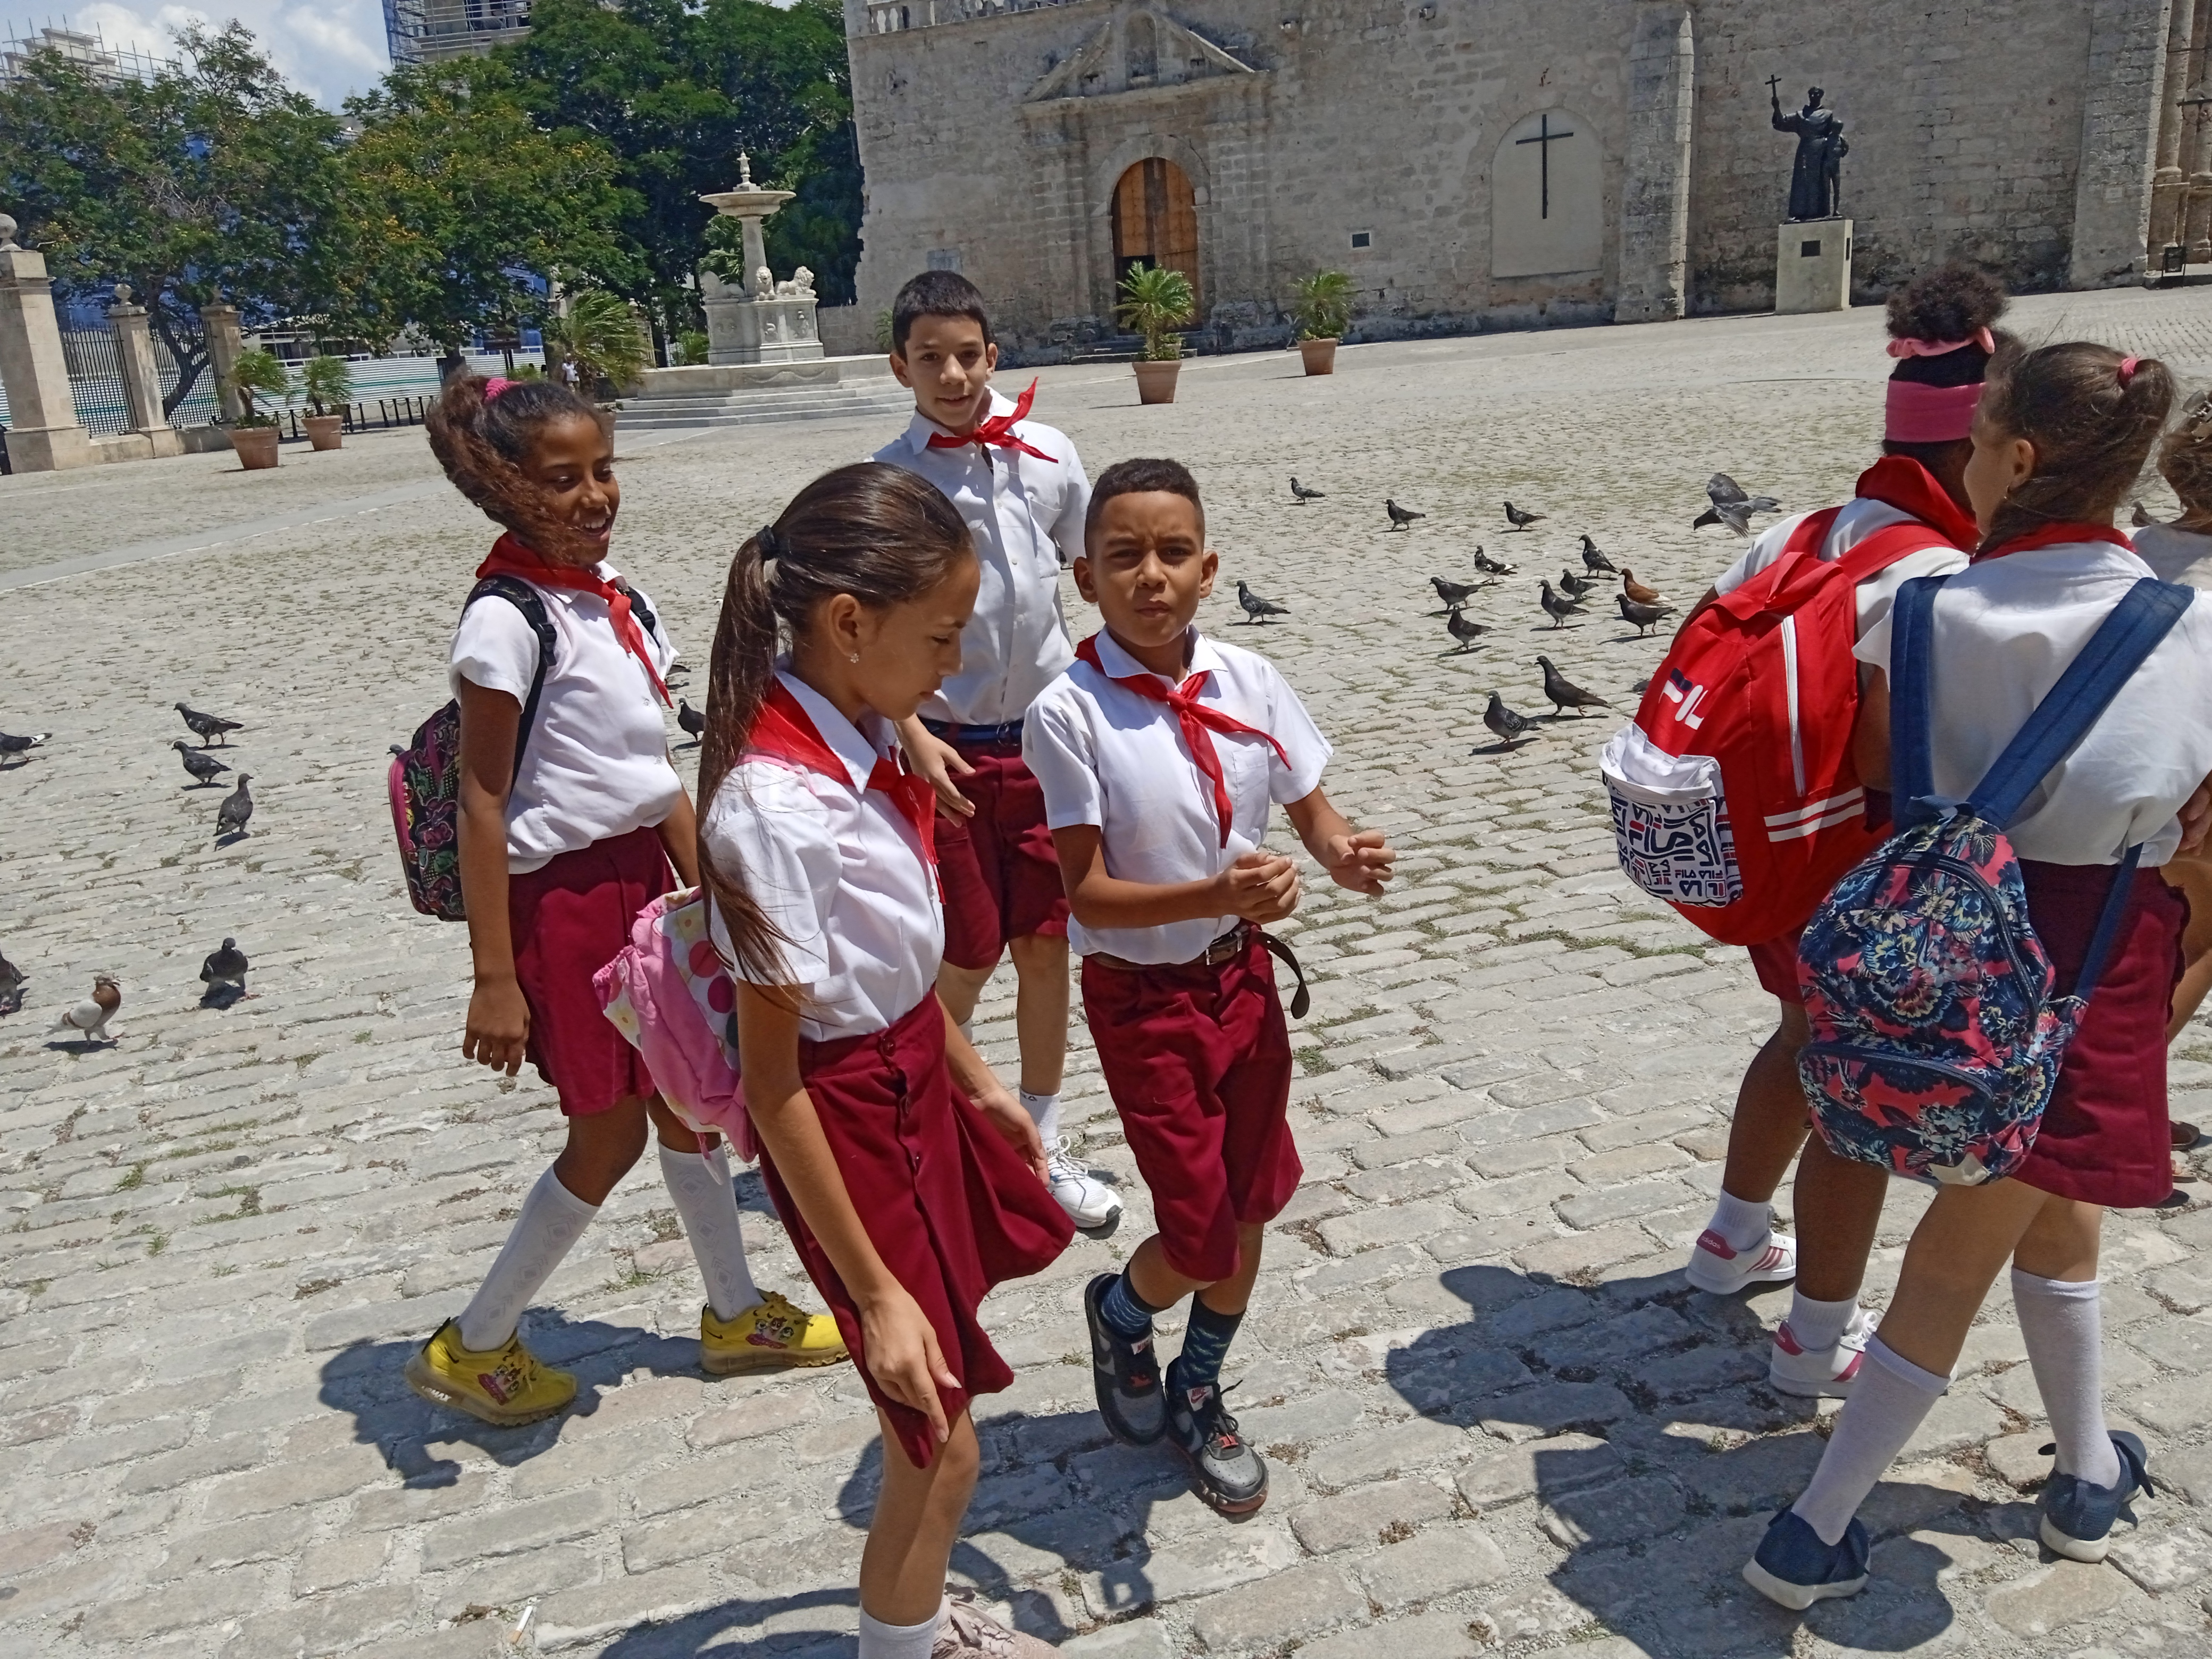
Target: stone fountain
759 321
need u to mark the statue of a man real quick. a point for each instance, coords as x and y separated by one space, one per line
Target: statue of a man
1815 180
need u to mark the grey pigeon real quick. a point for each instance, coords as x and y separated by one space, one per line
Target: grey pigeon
1455 594
1399 516
1564 693
1645 616
89 1017
2137 515
1505 722
20 747
690 719
1731 507
1593 561
11 987
1257 609
1300 494
208 728
1464 628
1557 608
224 974
237 807
1577 588
1490 567
204 768
1522 520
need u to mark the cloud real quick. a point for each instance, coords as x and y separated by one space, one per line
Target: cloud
328 48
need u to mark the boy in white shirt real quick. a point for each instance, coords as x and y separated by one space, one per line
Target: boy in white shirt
1161 754
1020 486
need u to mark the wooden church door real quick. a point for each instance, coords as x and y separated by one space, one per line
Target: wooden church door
1156 221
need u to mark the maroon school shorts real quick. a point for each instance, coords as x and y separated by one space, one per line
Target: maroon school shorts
571 917
2104 1138
1198 1060
1775 963
1000 875
950 1206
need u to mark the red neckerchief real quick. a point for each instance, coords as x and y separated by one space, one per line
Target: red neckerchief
1902 483
785 731
1196 719
2051 535
512 556
997 432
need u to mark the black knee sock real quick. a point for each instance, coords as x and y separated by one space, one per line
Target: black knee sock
1206 1342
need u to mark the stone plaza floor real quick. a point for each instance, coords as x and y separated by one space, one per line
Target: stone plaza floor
1498 1421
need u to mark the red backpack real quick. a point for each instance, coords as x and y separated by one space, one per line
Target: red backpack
1734 797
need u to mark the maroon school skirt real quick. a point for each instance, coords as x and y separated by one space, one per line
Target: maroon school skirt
2104 1138
569 918
999 870
950 1206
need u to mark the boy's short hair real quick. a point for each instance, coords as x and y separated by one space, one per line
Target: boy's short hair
1143 478
937 294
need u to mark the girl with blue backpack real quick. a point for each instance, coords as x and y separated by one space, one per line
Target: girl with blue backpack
2052 707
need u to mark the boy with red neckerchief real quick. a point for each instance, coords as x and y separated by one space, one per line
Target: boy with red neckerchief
1161 754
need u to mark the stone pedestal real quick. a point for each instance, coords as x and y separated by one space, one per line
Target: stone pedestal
142 382
743 330
1813 267
43 433
224 348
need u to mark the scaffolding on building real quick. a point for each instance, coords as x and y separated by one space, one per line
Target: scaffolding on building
90 52
429 31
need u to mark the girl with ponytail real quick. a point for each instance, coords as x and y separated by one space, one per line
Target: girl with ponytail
910 1180
571 813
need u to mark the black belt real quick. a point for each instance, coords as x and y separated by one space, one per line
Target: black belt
1230 946
951 732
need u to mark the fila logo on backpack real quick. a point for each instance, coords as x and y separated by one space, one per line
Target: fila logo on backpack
1734 795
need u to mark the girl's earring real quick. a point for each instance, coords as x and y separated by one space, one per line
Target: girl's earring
852 656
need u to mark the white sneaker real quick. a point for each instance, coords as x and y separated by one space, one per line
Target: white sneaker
1091 1204
1818 1373
1716 1268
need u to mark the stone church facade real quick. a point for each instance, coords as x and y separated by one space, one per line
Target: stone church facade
1501 163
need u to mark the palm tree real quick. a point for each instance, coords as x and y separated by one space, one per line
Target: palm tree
1321 304
325 379
601 335
1156 300
259 373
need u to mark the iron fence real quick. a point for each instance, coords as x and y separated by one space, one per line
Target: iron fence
360 417
95 373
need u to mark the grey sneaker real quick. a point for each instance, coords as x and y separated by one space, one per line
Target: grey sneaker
1231 1475
969 1632
1126 1374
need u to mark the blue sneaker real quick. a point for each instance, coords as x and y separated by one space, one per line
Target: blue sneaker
2077 1517
1796 1569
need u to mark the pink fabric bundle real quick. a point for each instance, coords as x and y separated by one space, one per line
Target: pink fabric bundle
670 994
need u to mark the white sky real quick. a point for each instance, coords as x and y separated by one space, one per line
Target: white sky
327 48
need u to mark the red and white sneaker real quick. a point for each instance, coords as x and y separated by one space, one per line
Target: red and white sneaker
1716 1268
1820 1373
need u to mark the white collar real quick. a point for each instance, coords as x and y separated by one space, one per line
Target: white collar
1119 665
846 741
920 429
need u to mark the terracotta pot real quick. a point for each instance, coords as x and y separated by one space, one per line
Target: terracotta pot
325 431
1319 355
256 446
1155 381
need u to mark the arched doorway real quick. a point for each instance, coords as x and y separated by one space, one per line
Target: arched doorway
1156 220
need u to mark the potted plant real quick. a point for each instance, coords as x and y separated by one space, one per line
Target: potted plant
327 385
253 434
1156 302
1321 304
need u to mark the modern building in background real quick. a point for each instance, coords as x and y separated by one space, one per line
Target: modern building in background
90 53
429 31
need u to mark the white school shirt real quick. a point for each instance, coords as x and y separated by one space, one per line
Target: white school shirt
1859 519
2006 629
1026 517
835 866
596 765
2175 555
1107 757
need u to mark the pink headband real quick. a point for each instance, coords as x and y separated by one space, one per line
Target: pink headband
1980 336
1919 414
496 385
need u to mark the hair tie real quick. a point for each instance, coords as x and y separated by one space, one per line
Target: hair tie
1980 336
497 385
771 550
2128 371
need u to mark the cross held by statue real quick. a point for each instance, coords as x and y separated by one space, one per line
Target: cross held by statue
1544 139
1774 87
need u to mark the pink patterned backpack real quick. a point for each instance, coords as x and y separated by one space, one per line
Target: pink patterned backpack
669 994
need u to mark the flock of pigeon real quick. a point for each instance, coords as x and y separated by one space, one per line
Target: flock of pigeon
1641 606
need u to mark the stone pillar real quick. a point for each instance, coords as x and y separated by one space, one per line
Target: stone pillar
2195 229
2122 80
142 381
1655 191
43 433
2168 183
224 348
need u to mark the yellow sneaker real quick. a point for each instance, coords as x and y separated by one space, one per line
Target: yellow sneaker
769 1337
506 1385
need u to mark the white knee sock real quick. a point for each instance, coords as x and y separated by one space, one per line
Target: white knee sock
1044 1112
708 1206
1888 1403
882 1641
1818 1325
1740 1221
2059 1321
553 1219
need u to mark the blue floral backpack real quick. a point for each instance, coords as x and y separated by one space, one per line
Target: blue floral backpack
1937 1035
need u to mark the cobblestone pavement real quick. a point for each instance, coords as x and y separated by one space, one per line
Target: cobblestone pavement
1498 1419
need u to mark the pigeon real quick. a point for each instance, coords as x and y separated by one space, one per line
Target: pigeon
1637 592
1300 494
1645 616
1564 693
90 1018
1455 594
1556 608
690 719
237 807
11 987
1508 724
208 728
1577 588
1731 507
1399 516
1490 567
1520 521
1257 609
1593 561
1465 630
205 769
15 745
2139 517
224 974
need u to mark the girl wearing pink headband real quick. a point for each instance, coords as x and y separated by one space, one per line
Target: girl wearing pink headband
1941 334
